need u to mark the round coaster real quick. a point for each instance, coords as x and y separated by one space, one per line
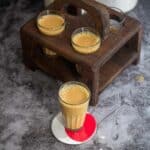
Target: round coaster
74 137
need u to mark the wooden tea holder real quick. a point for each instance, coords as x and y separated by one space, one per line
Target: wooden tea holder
97 70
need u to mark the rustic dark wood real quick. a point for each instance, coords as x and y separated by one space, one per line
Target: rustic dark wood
99 15
97 70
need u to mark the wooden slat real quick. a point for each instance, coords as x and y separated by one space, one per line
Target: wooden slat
115 66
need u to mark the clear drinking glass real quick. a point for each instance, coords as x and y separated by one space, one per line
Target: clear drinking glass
85 40
117 24
51 22
72 107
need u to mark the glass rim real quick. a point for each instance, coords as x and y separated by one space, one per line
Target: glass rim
89 29
53 12
122 13
74 83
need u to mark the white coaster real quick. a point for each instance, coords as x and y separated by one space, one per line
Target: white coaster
70 137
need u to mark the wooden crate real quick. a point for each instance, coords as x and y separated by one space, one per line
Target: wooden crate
97 70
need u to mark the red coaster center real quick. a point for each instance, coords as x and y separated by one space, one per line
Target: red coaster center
89 127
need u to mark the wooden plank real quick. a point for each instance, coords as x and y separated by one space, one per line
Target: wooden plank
64 48
115 66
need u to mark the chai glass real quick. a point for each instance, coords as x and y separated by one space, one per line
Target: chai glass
50 23
85 40
117 24
74 100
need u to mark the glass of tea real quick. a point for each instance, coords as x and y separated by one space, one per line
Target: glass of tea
85 40
50 23
74 99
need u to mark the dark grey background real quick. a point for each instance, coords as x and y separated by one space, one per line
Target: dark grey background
28 100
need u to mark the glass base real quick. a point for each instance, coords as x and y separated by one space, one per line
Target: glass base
74 137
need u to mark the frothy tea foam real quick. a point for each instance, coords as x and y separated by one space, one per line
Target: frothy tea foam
86 42
74 94
51 24
85 39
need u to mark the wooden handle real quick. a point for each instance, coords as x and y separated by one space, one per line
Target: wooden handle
99 13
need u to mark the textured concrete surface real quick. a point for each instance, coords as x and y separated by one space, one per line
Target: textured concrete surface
28 100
